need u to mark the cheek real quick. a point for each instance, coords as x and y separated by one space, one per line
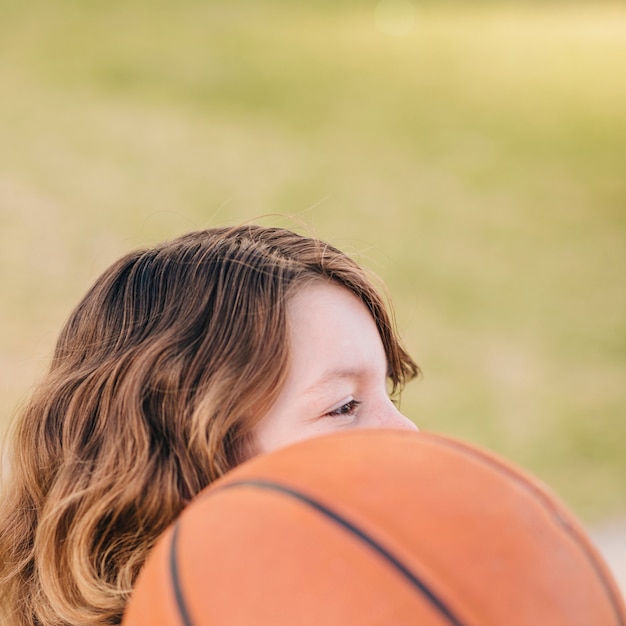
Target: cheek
272 434
267 434
277 431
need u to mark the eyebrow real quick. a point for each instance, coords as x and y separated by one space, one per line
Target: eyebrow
330 376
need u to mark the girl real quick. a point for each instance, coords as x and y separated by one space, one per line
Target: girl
181 362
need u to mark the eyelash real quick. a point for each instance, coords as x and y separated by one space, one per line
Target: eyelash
349 408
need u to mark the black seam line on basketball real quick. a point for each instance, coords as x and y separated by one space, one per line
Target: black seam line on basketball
360 534
178 591
552 509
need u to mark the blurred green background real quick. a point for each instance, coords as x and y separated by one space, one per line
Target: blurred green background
471 154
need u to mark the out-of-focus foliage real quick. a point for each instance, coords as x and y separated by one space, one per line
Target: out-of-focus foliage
473 155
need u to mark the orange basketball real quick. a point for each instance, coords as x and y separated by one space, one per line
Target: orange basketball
372 528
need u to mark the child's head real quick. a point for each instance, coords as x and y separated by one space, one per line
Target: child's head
177 365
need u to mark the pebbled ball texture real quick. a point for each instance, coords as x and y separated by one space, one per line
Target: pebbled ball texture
385 528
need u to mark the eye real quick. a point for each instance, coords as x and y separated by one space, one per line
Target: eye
349 408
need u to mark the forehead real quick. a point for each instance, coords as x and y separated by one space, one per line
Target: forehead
331 329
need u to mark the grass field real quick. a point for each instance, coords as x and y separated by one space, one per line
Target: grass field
473 155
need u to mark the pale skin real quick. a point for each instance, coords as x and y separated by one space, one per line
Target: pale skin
337 378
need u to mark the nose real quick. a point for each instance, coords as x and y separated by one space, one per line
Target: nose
390 417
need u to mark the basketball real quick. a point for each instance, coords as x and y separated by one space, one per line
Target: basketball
375 527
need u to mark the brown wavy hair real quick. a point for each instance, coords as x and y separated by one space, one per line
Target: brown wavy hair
156 382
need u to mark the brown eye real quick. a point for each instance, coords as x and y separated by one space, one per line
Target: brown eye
349 408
